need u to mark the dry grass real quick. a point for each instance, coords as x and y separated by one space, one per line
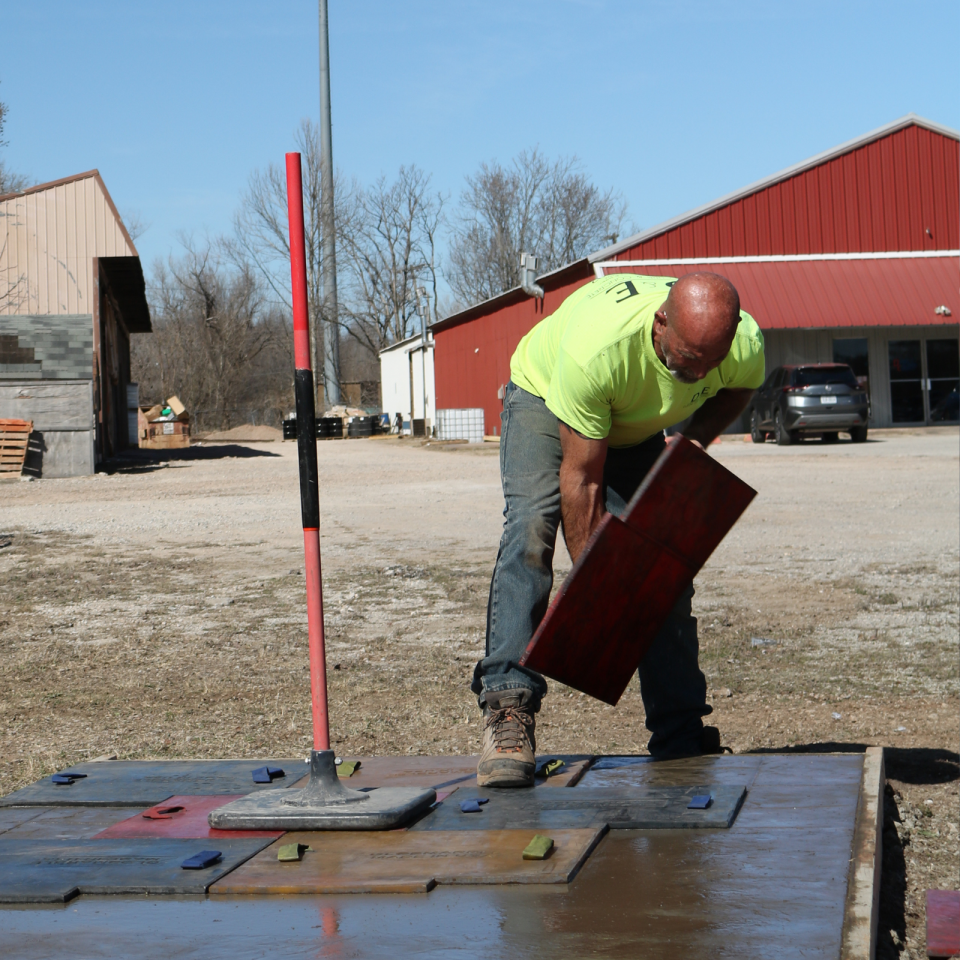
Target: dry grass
150 652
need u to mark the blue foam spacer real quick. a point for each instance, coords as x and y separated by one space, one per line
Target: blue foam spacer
266 774
700 802
67 778
206 858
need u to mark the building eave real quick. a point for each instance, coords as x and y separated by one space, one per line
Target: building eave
551 280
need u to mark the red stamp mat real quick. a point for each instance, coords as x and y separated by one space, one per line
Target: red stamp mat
943 923
633 571
179 817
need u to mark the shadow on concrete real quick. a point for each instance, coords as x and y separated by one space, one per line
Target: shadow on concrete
892 917
144 461
913 765
916 765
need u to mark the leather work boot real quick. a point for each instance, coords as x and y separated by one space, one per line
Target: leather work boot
507 754
710 741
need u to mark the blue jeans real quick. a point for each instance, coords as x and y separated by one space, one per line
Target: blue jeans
672 685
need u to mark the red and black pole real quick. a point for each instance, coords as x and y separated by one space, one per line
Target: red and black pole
324 803
307 455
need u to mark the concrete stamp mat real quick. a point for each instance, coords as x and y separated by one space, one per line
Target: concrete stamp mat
189 821
402 861
64 823
51 871
143 783
438 772
15 816
638 808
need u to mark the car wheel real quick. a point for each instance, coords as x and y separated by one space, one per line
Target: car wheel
829 437
858 434
756 434
783 436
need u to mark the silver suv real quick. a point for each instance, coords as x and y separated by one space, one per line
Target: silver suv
820 398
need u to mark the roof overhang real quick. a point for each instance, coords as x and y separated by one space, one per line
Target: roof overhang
548 281
125 277
410 343
829 290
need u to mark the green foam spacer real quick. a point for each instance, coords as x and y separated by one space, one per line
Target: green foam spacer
538 848
348 768
291 852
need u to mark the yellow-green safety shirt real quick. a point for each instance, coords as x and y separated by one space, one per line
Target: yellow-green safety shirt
593 362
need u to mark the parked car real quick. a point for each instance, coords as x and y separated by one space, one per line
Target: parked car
809 398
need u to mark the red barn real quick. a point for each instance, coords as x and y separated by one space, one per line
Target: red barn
851 256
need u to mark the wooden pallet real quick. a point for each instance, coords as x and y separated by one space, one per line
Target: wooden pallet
14 435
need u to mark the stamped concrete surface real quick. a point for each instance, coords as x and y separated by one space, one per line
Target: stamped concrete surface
774 884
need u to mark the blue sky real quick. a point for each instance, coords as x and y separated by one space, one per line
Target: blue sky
674 103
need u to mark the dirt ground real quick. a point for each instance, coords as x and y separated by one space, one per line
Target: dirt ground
157 611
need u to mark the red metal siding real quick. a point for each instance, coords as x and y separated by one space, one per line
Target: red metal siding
472 360
879 197
836 293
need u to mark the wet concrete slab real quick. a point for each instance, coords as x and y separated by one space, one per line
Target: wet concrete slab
142 783
404 861
772 885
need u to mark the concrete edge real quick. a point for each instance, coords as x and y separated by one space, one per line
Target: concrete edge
862 908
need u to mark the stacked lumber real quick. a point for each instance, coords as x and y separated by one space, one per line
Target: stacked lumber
14 435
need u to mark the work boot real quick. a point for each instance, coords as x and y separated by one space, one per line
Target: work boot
706 744
710 741
507 753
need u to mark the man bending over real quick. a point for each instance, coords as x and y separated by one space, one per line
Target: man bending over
592 388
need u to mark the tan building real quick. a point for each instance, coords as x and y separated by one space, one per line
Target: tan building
71 293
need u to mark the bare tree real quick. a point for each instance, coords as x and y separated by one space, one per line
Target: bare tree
135 224
262 237
389 251
534 206
209 329
10 182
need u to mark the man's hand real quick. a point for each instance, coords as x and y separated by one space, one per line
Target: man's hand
581 487
716 415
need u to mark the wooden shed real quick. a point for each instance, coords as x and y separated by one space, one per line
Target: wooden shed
71 293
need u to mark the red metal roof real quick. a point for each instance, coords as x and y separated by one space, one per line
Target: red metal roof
784 294
895 188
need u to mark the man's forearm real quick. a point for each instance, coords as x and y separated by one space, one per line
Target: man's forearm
716 415
581 508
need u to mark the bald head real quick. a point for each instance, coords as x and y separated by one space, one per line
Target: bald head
696 324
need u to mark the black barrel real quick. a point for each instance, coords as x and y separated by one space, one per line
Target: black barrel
333 426
359 427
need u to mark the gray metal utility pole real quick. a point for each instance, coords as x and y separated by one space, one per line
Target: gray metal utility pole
331 333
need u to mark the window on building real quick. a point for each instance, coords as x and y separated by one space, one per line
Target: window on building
906 381
943 379
853 352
